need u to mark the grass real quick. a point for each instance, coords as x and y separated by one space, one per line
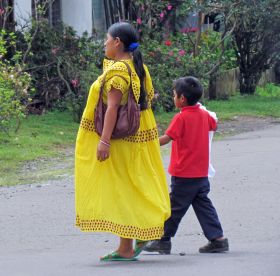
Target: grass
40 138
246 105
249 105
43 145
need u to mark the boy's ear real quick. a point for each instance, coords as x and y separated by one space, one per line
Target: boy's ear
183 99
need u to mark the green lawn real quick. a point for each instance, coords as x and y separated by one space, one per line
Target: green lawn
48 139
39 138
246 105
237 106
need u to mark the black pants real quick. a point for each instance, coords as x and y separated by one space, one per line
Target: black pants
192 191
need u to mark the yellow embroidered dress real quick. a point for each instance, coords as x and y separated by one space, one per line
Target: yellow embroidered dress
127 194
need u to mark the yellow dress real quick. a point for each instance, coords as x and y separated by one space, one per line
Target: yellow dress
127 194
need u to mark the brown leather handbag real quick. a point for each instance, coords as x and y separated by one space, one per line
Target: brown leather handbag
128 118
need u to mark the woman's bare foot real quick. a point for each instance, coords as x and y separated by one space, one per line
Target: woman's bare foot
126 254
126 248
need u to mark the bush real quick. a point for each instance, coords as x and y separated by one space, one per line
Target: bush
14 85
173 58
62 66
270 90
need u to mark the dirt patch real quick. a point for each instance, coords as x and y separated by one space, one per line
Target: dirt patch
239 124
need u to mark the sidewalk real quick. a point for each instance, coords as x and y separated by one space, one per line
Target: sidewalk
37 236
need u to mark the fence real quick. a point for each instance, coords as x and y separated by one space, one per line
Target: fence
227 84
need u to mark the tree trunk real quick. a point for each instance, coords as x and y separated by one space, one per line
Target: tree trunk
248 82
199 30
212 89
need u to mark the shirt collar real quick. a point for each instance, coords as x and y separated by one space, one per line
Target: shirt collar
190 107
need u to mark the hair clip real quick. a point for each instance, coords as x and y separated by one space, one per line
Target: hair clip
132 46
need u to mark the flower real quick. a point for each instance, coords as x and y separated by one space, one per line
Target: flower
182 52
170 53
169 7
161 15
139 21
75 83
54 51
189 30
168 43
2 11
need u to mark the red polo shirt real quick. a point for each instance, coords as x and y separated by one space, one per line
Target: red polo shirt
189 131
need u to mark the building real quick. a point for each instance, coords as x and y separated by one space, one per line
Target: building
82 15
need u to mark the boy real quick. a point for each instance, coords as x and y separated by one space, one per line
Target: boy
189 164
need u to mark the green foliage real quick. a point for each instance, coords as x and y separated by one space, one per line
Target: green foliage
78 66
62 65
257 39
173 58
14 84
154 18
270 90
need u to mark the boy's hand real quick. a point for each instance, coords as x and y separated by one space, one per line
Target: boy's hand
164 139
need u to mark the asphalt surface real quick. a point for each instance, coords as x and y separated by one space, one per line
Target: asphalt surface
38 237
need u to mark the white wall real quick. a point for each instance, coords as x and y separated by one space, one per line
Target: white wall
78 14
22 12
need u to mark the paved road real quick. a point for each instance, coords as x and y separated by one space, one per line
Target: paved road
37 236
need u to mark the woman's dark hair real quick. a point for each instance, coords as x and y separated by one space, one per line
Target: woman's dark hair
127 34
190 88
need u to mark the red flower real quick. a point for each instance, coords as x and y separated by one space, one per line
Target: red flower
75 83
139 21
182 52
168 43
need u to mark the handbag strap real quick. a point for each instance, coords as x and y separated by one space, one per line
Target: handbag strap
129 72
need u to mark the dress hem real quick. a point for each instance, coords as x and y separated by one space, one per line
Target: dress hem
124 231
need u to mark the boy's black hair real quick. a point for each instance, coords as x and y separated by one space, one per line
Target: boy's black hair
190 88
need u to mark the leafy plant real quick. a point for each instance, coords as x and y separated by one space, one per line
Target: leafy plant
270 90
173 58
14 84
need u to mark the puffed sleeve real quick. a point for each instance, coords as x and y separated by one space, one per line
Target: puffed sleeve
117 77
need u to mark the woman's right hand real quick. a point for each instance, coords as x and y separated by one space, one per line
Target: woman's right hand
103 151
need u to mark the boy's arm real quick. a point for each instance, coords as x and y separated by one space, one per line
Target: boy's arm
164 139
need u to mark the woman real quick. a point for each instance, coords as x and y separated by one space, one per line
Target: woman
120 184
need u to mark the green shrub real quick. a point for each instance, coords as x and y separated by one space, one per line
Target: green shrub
270 90
14 85
62 65
173 58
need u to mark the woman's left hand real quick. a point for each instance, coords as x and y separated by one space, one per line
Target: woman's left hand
103 152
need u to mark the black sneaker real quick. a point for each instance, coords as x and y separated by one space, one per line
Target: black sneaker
162 247
215 246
